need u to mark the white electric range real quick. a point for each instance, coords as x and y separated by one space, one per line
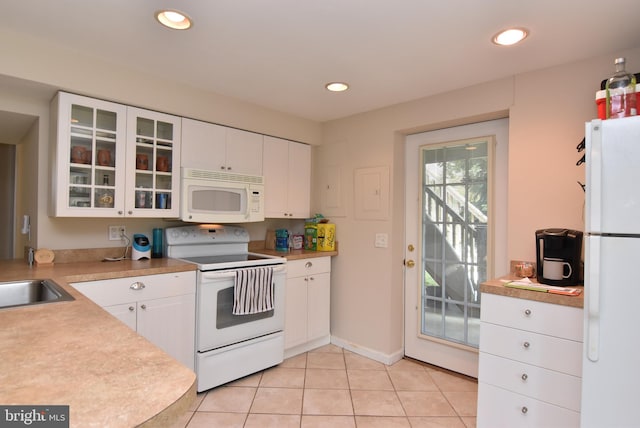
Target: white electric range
229 346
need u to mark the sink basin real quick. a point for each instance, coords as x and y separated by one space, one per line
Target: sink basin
31 292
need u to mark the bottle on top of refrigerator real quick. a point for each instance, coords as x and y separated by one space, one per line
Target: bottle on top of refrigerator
621 92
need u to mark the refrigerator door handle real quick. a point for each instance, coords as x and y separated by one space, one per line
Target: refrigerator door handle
593 199
593 298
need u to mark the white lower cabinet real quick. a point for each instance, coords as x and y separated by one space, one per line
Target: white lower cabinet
308 301
530 364
160 308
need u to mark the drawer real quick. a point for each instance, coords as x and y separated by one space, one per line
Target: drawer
552 353
499 408
116 291
312 266
545 385
545 318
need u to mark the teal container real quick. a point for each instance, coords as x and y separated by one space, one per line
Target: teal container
282 240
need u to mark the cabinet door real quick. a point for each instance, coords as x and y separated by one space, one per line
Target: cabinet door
276 175
295 318
88 139
244 152
125 313
153 164
299 181
169 323
318 305
203 145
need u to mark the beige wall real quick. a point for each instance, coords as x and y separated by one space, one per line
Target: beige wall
547 111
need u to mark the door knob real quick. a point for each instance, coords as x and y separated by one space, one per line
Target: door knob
410 263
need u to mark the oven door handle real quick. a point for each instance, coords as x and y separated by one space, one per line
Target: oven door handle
232 274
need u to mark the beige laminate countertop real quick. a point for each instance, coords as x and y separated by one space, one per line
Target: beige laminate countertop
75 353
296 254
496 286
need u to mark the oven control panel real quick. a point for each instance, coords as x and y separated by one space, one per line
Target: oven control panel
206 234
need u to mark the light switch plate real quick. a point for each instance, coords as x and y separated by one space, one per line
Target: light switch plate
381 240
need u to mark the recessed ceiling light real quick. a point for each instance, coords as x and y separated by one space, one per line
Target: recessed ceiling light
173 19
510 36
336 86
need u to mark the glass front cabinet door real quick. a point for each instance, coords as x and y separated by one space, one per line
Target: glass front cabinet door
153 151
88 140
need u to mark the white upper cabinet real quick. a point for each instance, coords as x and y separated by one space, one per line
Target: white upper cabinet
153 164
287 173
110 160
218 148
88 140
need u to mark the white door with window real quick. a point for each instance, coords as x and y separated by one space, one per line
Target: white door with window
455 238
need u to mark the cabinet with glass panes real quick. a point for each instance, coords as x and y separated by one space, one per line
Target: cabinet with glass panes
89 138
154 149
112 160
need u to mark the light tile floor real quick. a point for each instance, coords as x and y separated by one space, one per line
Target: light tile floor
332 387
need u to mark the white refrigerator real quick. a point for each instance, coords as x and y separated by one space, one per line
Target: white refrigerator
611 357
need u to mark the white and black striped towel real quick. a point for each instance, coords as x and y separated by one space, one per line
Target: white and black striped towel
253 292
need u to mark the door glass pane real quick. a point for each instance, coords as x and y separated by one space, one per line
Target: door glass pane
454 231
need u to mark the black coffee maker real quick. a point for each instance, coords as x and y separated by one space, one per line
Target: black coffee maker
558 254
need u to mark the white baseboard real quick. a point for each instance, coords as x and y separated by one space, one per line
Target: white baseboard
387 359
306 347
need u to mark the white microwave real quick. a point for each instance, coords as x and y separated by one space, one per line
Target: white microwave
221 197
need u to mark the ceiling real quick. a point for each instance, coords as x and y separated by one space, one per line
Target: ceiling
280 53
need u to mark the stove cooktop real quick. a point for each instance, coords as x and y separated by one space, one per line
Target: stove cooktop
229 261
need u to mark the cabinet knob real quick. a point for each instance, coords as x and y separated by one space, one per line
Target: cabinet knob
524 410
526 345
130 212
143 306
527 312
311 278
131 308
524 376
137 286
308 264
306 279
120 212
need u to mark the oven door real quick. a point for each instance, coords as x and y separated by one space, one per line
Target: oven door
216 325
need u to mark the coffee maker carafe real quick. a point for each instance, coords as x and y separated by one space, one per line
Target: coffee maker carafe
558 254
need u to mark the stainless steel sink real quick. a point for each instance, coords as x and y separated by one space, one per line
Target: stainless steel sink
31 292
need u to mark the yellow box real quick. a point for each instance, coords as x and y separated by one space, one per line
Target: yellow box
326 237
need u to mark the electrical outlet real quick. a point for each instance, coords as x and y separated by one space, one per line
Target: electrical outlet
116 232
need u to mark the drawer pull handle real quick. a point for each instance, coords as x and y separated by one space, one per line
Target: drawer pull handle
526 345
527 312
524 410
137 285
524 376
131 308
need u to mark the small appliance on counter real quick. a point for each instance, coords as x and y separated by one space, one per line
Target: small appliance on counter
558 254
140 249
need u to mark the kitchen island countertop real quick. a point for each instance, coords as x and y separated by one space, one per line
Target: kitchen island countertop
496 286
75 353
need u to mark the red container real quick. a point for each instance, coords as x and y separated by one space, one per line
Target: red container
601 102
